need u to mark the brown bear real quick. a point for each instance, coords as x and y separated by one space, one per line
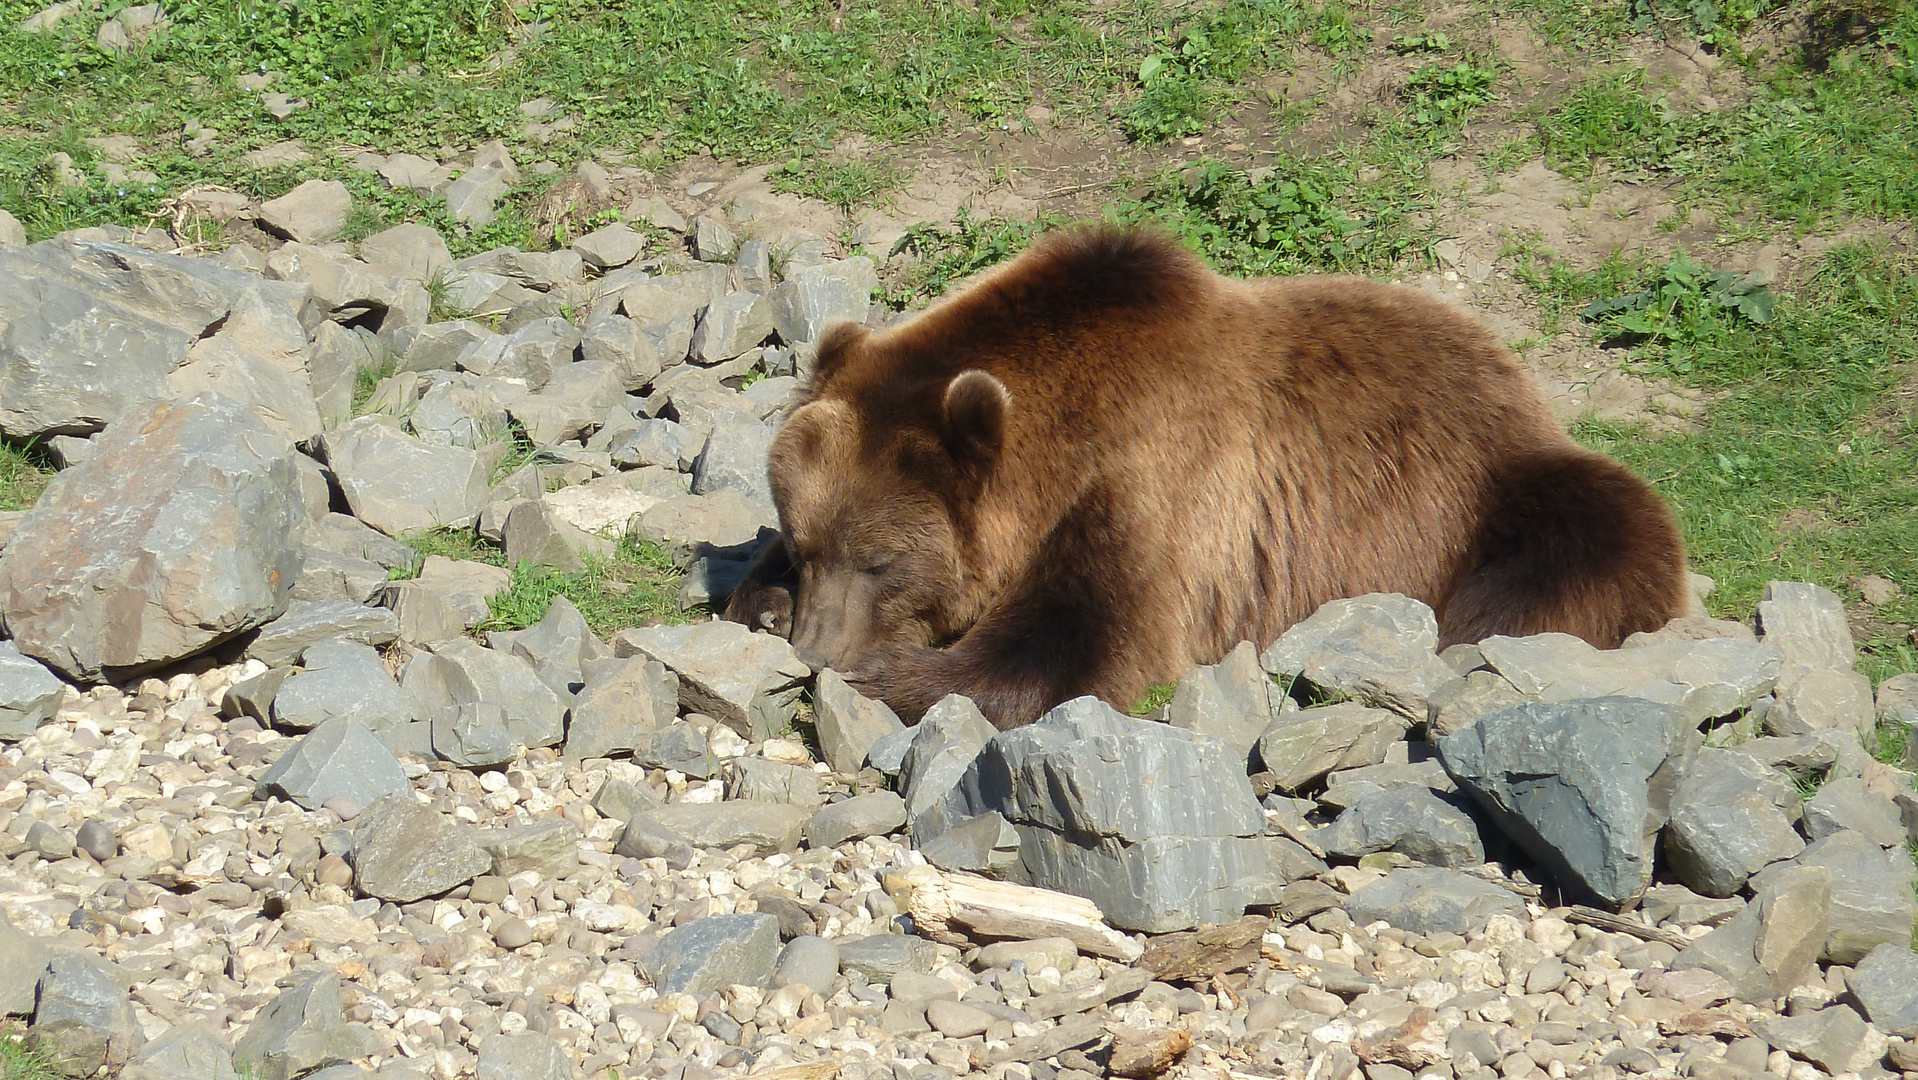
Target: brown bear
1103 464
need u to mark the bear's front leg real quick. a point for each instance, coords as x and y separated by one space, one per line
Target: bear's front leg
763 600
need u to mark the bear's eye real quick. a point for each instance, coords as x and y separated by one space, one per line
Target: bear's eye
880 567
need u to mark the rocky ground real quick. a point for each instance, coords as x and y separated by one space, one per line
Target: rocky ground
272 807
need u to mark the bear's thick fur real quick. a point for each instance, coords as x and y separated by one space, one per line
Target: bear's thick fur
1103 464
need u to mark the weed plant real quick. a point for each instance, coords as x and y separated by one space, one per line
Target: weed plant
24 473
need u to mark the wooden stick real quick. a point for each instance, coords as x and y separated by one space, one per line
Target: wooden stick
1604 920
958 908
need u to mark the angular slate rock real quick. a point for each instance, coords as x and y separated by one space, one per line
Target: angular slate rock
1885 985
534 715
1348 786
403 851
1423 900
179 532
1807 625
1794 917
944 743
726 523
307 622
473 734
301 1030
448 596
1381 648
1704 679
757 779
883 957
342 680
874 813
748 681
550 847
1730 951
848 723
1846 803
808 960
1229 700
1300 748
534 534
734 456
337 759
559 646
814 298
1835 1039
1729 821
1411 821
87 991
1871 893
768 827
398 484
981 844
679 746
731 325
621 702
29 693
192 1049
710 954
644 838
1826 699
23 953
1582 786
1465 702
524 1055
1156 825
346 535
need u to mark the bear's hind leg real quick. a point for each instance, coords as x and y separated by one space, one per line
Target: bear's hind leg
1574 542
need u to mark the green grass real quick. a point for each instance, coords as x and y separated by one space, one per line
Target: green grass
1803 469
637 586
24 473
17 1062
848 185
367 379
1610 118
455 543
1156 697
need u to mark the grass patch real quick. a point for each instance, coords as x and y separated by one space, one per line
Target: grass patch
1608 118
24 474
1156 698
454 543
847 185
637 586
368 379
1799 472
17 1062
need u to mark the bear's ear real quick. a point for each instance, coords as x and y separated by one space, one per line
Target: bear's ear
975 421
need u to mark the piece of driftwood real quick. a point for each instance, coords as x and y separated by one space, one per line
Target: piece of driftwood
957 909
1605 920
1142 1053
818 1070
1197 955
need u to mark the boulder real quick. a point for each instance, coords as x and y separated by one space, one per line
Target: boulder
874 813
1229 700
312 213
847 723
1421 900
1871 893
707 955
1381 649
398 484
403 851
748 681
301 1030
338 759
559 646
29 693
1410 820
532 713
734 456
621 700
81 991
342 680
814 298
1807 625
1885 985
181 531
1729 820
1582 786
1298 749
307 623
1703 678
767 827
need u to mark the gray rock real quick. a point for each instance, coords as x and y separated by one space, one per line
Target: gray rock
1807 625
1885 984
981 844
708 582
1897 700
657 442
730 325
1729 821
88 992
333 365
571 403
194 1049
619 341
1409 820
52 844
875 813
1871 893
1348 786
712 242
474 735
1794 917
1730 951
339 758
748 681
470 198
96 838
734 456
531 354
439 346
610 247
1835 1039
620 800
535 534
29 693
311 213
944 744
549 847
301 1030
348 536
1381 649
848 723
524 1055
1156 825
766 827
1423 900
1300 748
707 955
254 697
1230 700
1704 679
12 233
447 597
1461 704
398 484
888 754
452 413
342 680
1827 699
644 838
416 249
726 523
329 578
23 954
881 957
1846 803
259 367
180 532
808 961
534 715
679 746
403 851
619 704
814 298
1582 786
760 780
307 623
559 646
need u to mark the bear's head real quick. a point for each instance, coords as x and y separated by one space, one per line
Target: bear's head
877 479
